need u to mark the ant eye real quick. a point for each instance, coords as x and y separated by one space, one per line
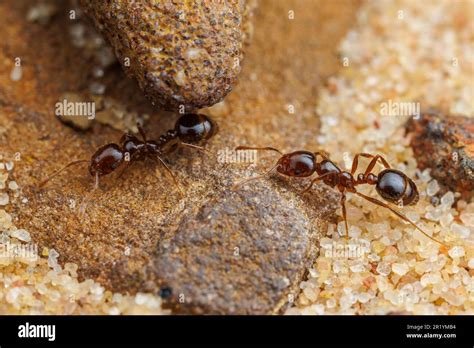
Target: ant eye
193 128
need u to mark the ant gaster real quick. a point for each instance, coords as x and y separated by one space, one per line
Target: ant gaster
190 129
391 184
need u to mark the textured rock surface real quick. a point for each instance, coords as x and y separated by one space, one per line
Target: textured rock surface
119 240
181 52
242 253
445 144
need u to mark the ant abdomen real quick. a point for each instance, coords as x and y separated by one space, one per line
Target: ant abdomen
106 159
394 186
195 128
297 164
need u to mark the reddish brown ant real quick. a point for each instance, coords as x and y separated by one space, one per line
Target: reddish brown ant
190 129
391 184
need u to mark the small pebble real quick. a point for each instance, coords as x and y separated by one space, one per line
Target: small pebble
456 251
21 234
9 166
4 198
97 88
97 72
16 73
432 188
446 220
460 230
467 218
12 185
400 268
448 199
41 12
383 268
471 263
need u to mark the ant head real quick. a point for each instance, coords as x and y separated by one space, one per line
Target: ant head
394 186
297 164
106 159
195 128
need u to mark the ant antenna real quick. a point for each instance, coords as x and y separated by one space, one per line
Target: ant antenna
236 185
238 148
267 148
400 215
44 182
196 147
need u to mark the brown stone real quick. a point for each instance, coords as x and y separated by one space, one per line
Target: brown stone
244 252
445 144
181 53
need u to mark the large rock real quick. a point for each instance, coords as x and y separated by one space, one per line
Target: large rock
181 52
244 252
445 144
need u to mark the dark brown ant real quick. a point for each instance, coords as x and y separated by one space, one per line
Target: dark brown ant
391 184
190 130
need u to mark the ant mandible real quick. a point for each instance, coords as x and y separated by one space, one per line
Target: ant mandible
391 184
190 129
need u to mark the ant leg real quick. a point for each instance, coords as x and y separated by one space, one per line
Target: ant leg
44 182
324 155
96 186
344 214
192 146
236 185
127 164
400 215
85 203
375 158
372 164
238 148
307 188
141 131
168 170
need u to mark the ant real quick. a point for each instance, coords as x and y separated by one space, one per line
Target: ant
190 129
391 184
